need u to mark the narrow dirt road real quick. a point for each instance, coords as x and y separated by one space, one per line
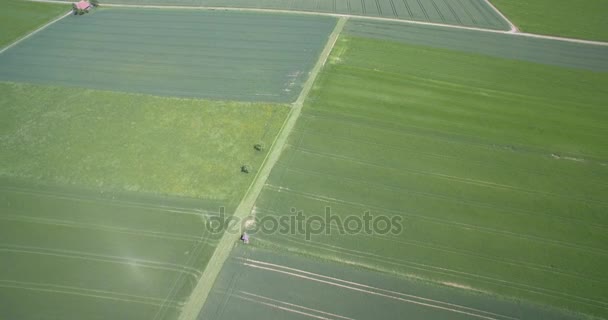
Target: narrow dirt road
197 299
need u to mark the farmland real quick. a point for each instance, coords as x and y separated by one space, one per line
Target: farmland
254 282
76 253
583 19
212 55
89 195
469 13
496 166
127 142
20 17
105 191
124 132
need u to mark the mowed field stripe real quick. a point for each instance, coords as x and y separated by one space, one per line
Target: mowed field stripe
85 292
205 283
101 227
69 254
117 202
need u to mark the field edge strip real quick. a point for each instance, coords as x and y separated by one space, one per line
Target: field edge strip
205 283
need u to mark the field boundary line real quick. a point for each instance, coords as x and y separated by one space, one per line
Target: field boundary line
199 294
514 28
19 40
338 15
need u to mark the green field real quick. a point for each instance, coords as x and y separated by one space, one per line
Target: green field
581 19
469 13
129 142
19 17
259 284
91 223
508 46
123 133
497 167
202 54
77 254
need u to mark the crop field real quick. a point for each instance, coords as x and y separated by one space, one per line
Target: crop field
470 13
105 196
440 172
90 218
18 17
213 55
581 19
497 168
78 254
254 282
129 142
543 51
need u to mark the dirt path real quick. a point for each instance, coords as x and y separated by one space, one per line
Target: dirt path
197 299
513 29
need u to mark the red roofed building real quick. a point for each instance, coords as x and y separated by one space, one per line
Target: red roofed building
82 5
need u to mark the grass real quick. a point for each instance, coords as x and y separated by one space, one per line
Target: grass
496 166
253 282
203 54
582 19
110 255
129 142
109 194
18 17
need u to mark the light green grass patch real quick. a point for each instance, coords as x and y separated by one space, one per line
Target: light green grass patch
497 167
117 141
577 19
18 17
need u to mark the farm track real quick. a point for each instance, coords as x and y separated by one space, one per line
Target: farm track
513 29
222 251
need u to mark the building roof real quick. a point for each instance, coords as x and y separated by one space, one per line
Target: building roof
83 5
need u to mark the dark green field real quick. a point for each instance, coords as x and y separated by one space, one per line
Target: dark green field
213 55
